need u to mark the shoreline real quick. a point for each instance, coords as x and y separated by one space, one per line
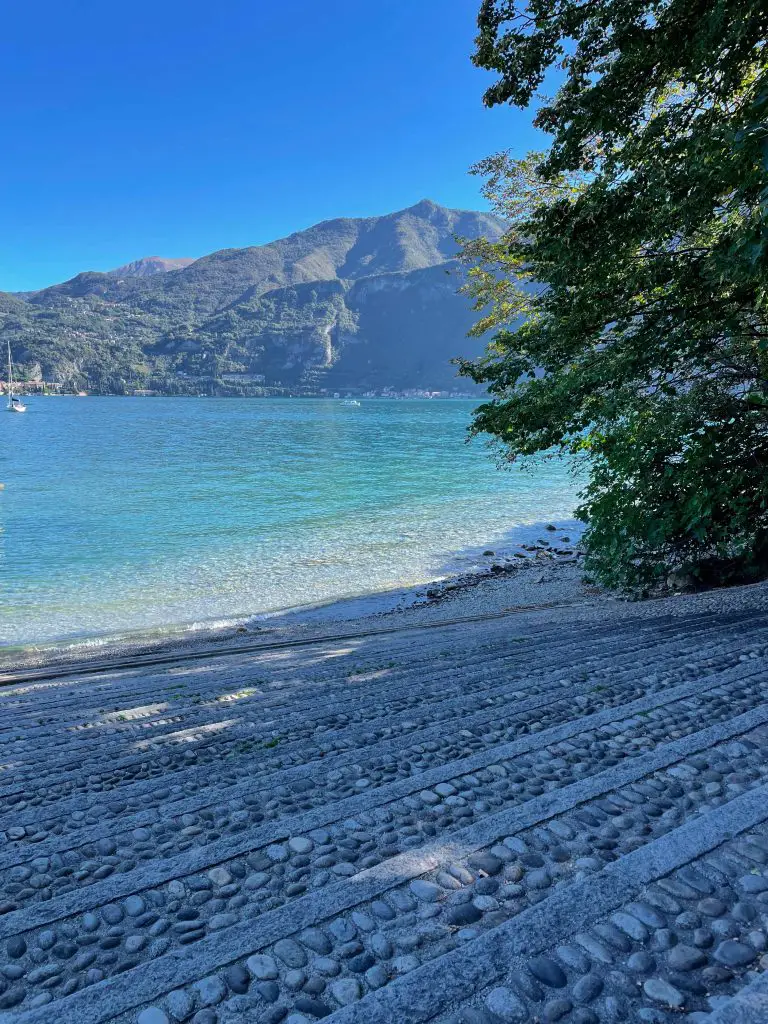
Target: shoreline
544 587
516 574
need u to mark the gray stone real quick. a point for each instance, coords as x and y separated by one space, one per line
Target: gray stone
346 990
428 892
134 905
179 1004
753 883
300 844
277 853
270 992
686 958
219 921
16 947
485 862
363 921
210 990
381 946
734 954
206 1016
257 880
630 926
316 940
555 1010
662 992
220 876
294 979
405 964
237 978
153 1015
587 988
711 907
573 957
663 939
312 1007
645 913
506 1005
539 879
326 965
262 967
377 976
342 929
464 913
290 953
90 922
547 971
360 964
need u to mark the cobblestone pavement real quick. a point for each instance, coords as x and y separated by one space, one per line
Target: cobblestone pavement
468 824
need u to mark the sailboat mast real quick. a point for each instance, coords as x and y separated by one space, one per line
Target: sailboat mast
10 378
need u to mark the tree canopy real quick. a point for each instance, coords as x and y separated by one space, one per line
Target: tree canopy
628 298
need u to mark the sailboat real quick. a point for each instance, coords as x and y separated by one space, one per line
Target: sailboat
15 404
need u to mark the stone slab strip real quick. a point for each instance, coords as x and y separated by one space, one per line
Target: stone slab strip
39 815
748 1006
155 730
19 853
456 976
68 760
209 653
204 857
154 979
34 815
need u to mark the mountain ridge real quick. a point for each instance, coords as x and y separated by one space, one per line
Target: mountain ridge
294 313
147 266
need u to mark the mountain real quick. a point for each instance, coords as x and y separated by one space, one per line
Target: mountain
147 266
349 303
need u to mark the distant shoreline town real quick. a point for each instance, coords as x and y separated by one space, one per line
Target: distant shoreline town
225 389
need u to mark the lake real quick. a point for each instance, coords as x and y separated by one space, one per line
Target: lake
134 513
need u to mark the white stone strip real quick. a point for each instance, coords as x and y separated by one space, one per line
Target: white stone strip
19 853
747 1006
434 987
306 696
68 764
565 641
152 980
169 714
83 669
201 858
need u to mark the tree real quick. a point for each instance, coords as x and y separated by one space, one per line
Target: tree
628 297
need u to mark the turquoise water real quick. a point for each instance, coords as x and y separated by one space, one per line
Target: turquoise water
123 514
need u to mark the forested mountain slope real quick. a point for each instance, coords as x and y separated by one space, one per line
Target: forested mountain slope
353 303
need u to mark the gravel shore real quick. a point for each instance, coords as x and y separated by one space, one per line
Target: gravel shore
504 811
544 584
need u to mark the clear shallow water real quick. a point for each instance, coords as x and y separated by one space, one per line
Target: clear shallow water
122 514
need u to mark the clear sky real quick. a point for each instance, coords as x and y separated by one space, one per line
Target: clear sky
177 128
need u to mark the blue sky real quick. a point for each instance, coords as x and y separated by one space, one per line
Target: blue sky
175 129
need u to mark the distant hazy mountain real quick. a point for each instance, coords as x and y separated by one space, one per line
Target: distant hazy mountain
353 303
150 265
